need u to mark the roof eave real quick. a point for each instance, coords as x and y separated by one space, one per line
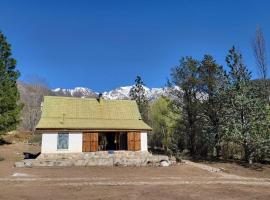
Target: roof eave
42 130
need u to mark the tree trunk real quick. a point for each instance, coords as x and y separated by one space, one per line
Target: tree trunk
247 156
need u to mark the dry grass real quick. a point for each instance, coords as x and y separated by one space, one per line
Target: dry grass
16 137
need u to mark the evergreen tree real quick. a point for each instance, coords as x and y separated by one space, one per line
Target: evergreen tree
137 93
213 80
246 113
9 95
184 88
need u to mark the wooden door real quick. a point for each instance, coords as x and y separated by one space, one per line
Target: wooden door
134 141
90 142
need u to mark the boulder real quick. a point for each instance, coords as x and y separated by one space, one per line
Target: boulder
164 163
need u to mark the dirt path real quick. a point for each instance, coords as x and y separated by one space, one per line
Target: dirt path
222 178
167 182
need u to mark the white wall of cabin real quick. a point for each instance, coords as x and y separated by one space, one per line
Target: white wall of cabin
49 143
144 145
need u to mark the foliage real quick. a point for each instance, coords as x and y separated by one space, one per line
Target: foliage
137 93
9 95
212 83
163 121
219 110
263 87
245 121
187 100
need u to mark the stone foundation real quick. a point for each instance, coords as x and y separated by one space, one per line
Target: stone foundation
100 158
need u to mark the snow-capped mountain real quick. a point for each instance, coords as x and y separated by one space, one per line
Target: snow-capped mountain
118 93
76 92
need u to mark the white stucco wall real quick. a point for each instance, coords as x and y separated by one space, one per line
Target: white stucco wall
144 141
49 143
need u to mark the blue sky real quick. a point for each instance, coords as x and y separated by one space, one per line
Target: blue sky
105 44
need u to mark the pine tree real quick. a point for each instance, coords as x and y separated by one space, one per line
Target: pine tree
137 93
9 95
184 88
246 113
213 79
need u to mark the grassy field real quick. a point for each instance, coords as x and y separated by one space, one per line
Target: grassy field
175 182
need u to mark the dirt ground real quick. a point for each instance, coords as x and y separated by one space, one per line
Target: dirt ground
175 182
241 169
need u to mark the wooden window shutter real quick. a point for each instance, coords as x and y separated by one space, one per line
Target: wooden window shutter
137 141
90 142
131 141
94 142
134 141
86 142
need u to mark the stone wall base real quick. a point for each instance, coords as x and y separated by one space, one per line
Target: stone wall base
100 158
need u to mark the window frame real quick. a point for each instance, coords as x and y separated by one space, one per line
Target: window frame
58 146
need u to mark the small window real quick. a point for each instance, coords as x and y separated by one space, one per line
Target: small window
62 141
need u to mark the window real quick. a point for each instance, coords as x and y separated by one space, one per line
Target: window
62 141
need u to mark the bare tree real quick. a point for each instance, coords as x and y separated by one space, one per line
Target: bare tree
31 94
259 50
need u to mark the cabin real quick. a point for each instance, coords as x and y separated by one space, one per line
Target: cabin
76 125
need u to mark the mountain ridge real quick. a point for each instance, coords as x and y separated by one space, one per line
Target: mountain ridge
117 93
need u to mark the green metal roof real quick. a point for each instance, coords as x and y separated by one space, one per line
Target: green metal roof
86 113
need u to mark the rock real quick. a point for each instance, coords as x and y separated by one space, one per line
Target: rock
164 163
19 164
28 163
20 175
